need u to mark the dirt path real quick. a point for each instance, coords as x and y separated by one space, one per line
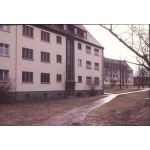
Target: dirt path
77 115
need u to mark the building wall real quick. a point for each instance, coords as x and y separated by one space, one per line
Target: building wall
8 62
15 64
112 73
38 67
82 71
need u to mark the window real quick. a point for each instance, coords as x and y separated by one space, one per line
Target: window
59 78
96 52
88 49
88 64
45 78
27 77
70 29
45 36
79 46
59 60
27 53
4 49
80 33
45 57
96 66
79 79
88 80
27 31
96 80
59 39
5 27
79 62
4 75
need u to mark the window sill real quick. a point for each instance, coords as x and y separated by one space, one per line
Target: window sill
27 82
27 59
46 62
45 82
59 81
5 30
89 68
45 41
59 43
4 81
28 37
59 62
4 55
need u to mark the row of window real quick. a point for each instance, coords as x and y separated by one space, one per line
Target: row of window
45 56
27 77
88 49
45 36
89 80
88 64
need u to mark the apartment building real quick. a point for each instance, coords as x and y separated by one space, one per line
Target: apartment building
117 72
50 61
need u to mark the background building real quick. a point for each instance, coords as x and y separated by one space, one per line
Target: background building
117 72
50 61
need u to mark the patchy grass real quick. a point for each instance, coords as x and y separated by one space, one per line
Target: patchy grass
130 109
40 111
117 90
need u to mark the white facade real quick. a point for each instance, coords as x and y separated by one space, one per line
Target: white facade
16 64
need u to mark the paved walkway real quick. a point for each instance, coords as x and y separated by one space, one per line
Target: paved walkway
77 115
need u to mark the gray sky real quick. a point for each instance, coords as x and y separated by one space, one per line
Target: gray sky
113 48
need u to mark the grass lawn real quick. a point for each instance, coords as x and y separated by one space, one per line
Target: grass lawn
117 90
38 112
130 109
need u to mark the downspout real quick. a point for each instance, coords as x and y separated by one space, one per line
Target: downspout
16 66
103 71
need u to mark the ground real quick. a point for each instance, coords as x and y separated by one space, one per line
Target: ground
39 112
129 109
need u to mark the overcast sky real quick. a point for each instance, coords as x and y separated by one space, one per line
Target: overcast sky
112 47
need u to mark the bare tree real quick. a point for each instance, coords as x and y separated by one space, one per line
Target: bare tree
135 38
92 86
5 87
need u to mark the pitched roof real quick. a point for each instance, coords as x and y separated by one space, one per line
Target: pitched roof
90 38
116 61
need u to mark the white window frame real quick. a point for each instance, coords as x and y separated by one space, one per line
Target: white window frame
28 77
4 76
27 54
96 66
88 49
96 52
44 78
5 28
88 65
80 62
3 50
